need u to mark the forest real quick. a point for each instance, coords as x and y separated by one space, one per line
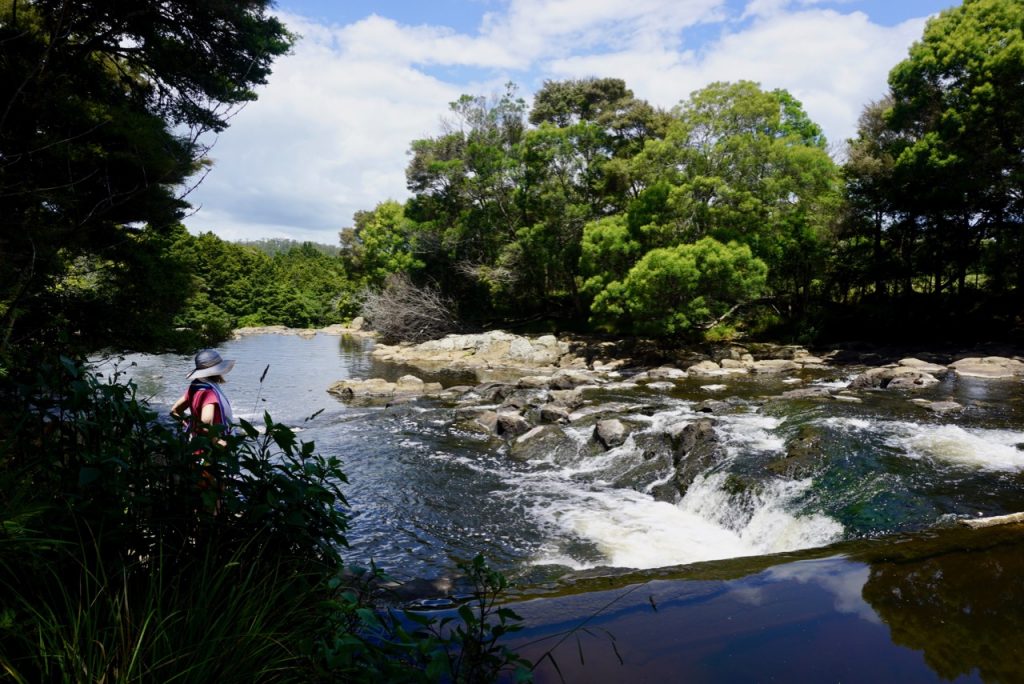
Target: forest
587 210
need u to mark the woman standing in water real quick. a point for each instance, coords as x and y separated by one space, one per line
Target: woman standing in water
206 402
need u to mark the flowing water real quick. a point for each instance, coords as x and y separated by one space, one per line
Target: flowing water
426 492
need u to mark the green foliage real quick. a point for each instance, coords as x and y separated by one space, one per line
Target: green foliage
102 107
411 647
128 553
382 242
674 290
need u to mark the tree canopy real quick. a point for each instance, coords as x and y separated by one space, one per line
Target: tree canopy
102 111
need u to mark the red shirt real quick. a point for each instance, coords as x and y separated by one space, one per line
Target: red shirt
197 401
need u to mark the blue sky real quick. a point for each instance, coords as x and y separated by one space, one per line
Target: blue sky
330 131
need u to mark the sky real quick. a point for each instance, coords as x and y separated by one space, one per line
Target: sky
330 132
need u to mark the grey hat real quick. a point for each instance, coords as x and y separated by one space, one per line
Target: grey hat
209 363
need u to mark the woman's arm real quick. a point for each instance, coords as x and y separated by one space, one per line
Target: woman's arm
178 409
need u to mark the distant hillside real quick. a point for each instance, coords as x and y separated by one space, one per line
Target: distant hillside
272 246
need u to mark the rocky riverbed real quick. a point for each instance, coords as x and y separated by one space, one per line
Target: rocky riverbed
563 398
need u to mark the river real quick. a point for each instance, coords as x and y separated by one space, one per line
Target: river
426 493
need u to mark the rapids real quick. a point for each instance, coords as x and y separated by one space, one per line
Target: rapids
426 492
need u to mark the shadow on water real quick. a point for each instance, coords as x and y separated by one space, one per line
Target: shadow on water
947 605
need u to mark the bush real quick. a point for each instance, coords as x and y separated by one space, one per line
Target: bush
403 312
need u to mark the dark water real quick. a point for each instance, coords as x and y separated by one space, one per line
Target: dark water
948 606
426 492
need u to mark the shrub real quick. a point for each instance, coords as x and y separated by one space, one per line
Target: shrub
403 312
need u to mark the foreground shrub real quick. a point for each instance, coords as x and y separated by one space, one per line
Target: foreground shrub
128 553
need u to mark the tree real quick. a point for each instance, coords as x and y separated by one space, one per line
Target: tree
676 290
102 109
382 242
958 116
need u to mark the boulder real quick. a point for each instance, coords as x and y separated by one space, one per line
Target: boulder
912 381
554 414
610 432
569 379
695 448
665 373
989 367
521 399
542 442
808 393
661 386
511 424
923 366
705 368
771 366
571 399
712 406
534 382
896 377
407 386
938 406
804 454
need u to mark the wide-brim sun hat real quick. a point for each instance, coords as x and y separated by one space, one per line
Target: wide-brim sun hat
210 363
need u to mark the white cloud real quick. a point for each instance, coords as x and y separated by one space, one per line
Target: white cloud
329 133
834 63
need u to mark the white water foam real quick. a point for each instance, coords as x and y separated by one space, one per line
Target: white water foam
982 448
985 449
763 522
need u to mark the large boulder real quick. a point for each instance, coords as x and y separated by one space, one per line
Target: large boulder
989 367
406 387
495 349
694 448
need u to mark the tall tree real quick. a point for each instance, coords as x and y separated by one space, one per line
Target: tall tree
958 112
102 109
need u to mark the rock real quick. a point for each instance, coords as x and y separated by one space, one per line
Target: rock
712 406
808 393
912 381
610 432
774 366
695 448
804 454
923 366
737 364
688 435
494 391
571 399
847 398
554 414
705 368
569 379
534 382
990 367
511 424
895 377
661 386
377 387
938 406
600 411
666 373
487 350
488 420
357 323
521 399
540 443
